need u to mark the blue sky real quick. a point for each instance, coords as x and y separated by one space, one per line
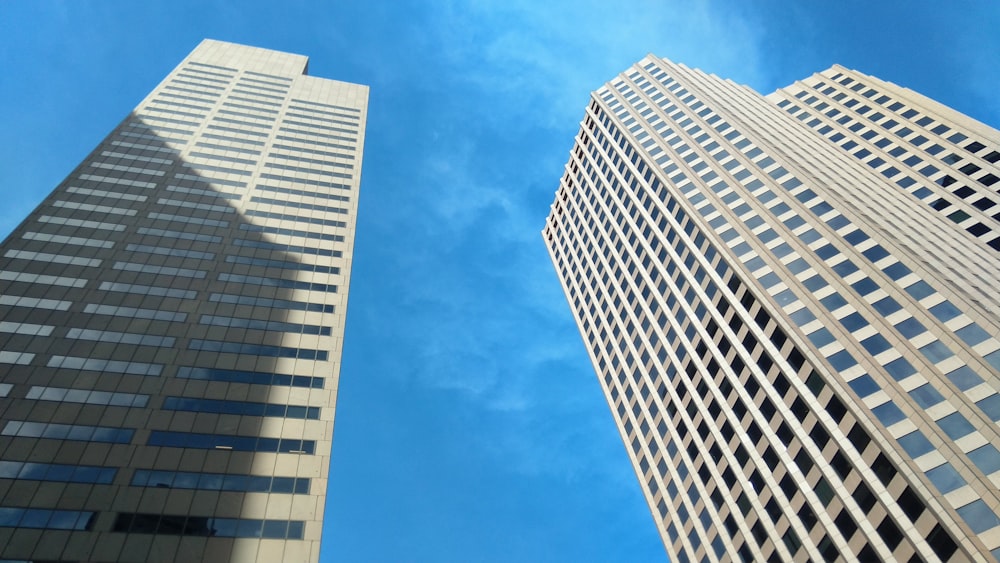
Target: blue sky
470 426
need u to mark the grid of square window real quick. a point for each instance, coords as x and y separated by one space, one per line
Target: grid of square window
916 145
688 333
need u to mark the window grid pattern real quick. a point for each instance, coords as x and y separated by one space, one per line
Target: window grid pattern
152 282
678 325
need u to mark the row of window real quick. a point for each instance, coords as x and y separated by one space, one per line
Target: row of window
282 264
257 324
230 442
84 433
640 226
242 408
306 181
223 347
977 229
252 377
924 395
218 482
166 524
42 519
269 303
33 471
314 171
26 429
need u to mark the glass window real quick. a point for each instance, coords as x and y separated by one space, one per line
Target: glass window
945 311
964 378
815 283
986 458
888 413
910 327
821 337
257 349
865 286
259 378
886 306
936 351
68 432
842 360
919 290
900 369
802 317
876 344
833 301
875 253
864 385
991 406
978 516
230 442
915 444
945 478
955 425
926 396
896 270
55 472
972 334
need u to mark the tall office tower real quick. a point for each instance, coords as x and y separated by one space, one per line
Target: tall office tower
171 320
791 304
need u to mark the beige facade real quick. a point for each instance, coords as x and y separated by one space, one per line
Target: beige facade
791 304
172 318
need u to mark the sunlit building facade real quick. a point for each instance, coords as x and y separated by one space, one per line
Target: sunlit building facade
172 318
791 303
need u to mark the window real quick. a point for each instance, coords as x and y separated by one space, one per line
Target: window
134 313
220 482
46 519
978 516
68 432
876 344
240 408
955 425
986 458
863 385
255 324
121 337
964 378
102 365
215 527
991 406
864 497
257 350
910 327
257 378
230 442
915 444
936 351
272 303
890 533
945 478
55 472
888 413
942 544
86 396
900 369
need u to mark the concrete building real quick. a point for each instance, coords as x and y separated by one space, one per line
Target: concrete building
791 303
172 318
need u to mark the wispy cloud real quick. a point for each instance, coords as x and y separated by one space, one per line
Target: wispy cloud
497 95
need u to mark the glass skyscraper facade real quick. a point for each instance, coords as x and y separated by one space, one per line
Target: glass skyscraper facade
171 320
790 301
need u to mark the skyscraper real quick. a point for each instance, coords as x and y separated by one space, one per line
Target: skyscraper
171 320
791 304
